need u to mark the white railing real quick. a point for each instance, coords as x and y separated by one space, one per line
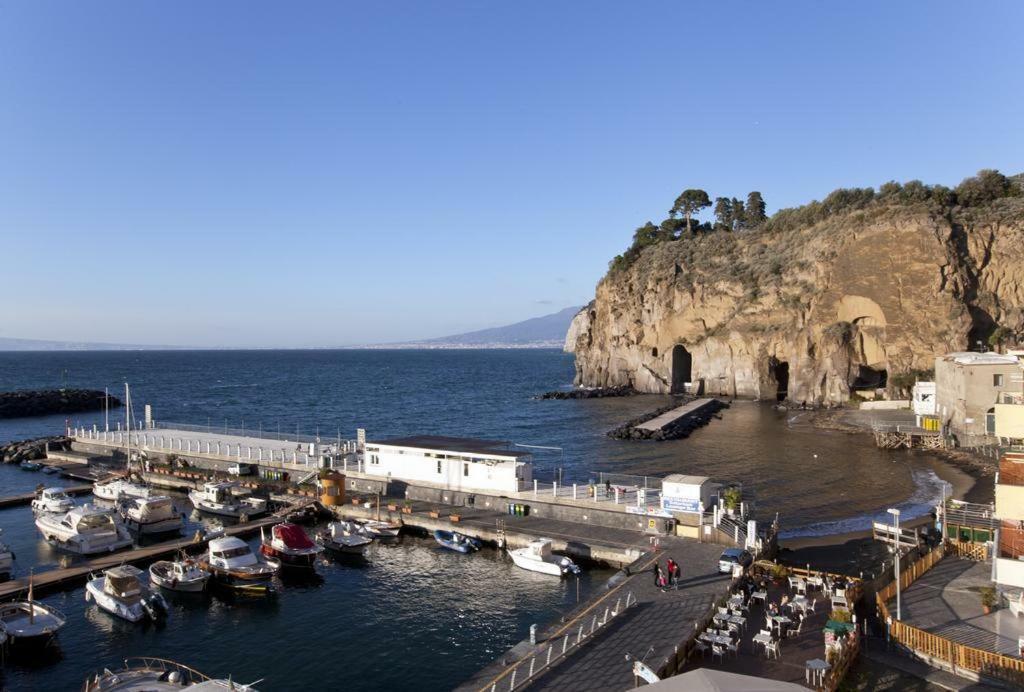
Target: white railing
529 668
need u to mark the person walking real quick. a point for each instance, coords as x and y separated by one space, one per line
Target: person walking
659 577
673 572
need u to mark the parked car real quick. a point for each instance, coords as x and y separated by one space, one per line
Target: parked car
240 469
731 557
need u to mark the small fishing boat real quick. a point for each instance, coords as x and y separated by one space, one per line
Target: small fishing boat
85 530
381 530
119 488
30 465
30 623
6 560
453 540
149 515
289 544
225 499
121 592
537 557
233 564
144 674
50 470
339 539
52 500
179 575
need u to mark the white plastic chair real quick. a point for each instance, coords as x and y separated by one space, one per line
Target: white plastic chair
719 651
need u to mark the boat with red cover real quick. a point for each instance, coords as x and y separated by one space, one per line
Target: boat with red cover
290 544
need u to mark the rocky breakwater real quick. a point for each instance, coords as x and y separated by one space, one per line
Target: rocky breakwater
31 450
856 293
589 393
44 402
679 428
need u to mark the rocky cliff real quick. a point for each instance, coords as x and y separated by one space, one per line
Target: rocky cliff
813 305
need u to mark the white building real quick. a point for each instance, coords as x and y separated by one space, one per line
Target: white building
454 463
924 398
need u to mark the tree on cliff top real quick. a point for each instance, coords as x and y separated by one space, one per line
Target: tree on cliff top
688 204
755 210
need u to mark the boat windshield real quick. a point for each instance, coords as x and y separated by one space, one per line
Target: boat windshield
233 552
94 521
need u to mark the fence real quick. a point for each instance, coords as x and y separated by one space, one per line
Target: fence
939 649
520 674
256 432
972 551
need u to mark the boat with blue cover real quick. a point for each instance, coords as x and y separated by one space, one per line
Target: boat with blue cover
453 540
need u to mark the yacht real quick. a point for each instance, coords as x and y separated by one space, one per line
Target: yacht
53 500
6 560
119 488
85 530
145 515
179 575
120 592
290 544
221 498
158 675
537 557
339 538
233 564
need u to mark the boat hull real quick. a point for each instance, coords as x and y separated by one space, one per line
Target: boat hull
304 560
354 547
447 539
131 612
145 528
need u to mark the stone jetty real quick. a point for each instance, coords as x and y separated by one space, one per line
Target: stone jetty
44 402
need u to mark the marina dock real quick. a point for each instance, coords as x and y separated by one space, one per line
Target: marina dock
26 498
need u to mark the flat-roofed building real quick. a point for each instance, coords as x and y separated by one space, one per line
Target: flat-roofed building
969 385
453 463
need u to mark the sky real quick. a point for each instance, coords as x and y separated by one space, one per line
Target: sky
272 174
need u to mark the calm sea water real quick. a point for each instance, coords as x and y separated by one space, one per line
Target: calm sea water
416 617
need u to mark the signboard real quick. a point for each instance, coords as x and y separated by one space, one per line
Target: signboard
680 504
633 509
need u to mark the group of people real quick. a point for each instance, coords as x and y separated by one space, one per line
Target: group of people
667 578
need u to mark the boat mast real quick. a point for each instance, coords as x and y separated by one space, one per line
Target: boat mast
31 601
128 426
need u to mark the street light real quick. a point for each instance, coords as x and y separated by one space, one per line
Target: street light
896 537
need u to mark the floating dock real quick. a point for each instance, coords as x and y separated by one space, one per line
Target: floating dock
26 498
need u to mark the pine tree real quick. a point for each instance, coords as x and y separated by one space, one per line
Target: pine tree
755 214
738 215
688 204
723 212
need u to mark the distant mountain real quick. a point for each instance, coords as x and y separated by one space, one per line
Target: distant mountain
7 344
539 332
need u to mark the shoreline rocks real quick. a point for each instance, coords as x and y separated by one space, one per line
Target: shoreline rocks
590 393
31 450
44 402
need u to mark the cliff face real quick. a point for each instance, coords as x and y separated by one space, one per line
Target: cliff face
815 311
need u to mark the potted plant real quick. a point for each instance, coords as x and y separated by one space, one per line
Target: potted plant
988 599
392 506
779 574
732 497
407 507
434 514
455 518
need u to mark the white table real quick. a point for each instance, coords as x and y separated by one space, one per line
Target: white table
814 672
736 600
781 620
759 596
800 602
762 639
816 582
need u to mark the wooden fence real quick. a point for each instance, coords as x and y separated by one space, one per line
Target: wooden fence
972 551
925 644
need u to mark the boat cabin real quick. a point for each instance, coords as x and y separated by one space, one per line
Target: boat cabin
453 463
161 506
89 519
123 582
54 495
231 552
540 548
223 492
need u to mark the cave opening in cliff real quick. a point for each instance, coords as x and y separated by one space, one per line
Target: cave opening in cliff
682 369
870 378
780 371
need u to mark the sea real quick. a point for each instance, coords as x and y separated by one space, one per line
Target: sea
414 616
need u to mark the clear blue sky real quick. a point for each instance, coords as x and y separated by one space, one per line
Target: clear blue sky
326 173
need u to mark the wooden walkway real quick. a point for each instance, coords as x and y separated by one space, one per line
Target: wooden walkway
26 498
69 576
675 414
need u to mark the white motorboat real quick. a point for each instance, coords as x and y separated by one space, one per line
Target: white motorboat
119 488
85 530
146 515
233 563
6 559
179 575
52 500
537 557
224 499
158 675
338 537
121 592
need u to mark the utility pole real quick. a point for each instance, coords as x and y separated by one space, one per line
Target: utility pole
896 523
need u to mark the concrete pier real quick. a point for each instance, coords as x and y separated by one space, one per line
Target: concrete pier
670 417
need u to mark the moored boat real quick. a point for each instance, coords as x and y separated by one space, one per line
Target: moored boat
6 560
381 530
289 544
537 557
148 515
157 675
52 500
224 499
30 465
118 488
50 470
85 530
338 538
183 575
30 623
453 540
120 591
233 564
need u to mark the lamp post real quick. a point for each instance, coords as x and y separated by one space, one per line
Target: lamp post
896 538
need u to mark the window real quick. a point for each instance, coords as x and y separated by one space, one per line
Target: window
997 380
374 459
465 469
439 466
